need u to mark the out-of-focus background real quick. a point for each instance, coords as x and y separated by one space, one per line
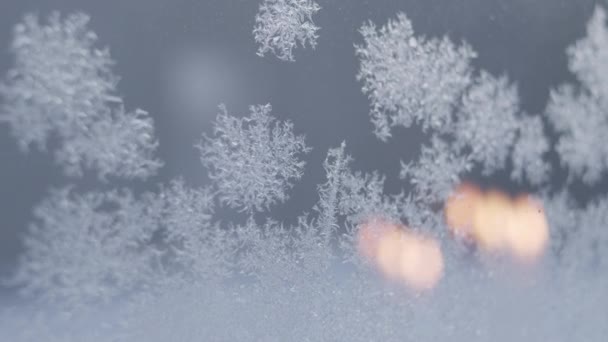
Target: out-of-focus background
179 59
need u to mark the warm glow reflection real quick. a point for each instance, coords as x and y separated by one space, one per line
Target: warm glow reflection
498 223
460 209
401 255
421 262
369 236
491 220
528 231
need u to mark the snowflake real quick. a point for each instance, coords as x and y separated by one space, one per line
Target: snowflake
579 115
436 172
529 152
588 58
193 246
336 168
253 160
62 87
88 246
580 240
411 79
283 24
487 121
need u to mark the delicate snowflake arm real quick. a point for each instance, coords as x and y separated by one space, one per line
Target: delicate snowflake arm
581 122
436 173
588 58
411 79
580 237
529 152
63 87
336 167
283 24
195 249
487 121
253 160
580 116
363 198
120 143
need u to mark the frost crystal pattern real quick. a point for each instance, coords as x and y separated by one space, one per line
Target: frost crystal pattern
62 87
580 115
411 79
254 159
215 264
281 25
88 246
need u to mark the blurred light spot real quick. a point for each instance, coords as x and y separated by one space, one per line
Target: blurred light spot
401 255
197 79
389 254
498 223
369 235
421 262
460 209
528 231
491 219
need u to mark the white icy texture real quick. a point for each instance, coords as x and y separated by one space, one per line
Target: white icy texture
282 25
580 114
253 160
60 94
411 79
170 267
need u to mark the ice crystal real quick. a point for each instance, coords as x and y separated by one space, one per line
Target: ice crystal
62 87
580 119
192 244
580 241
336 168
88 246
529 152
281 25
487 121
253 160
579 114
411 79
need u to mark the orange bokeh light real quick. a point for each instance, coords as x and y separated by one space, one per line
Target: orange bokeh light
460 209
401 255
498 223
490 220
369 235
528 231
421 262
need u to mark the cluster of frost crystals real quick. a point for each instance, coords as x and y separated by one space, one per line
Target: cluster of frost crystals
253 160
529 152
472 120
261 280
62 88
579 238
580 115
88 246
281 25
411 79
588 57
193 246
120 143
352 195
437 171
590 247
487 121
